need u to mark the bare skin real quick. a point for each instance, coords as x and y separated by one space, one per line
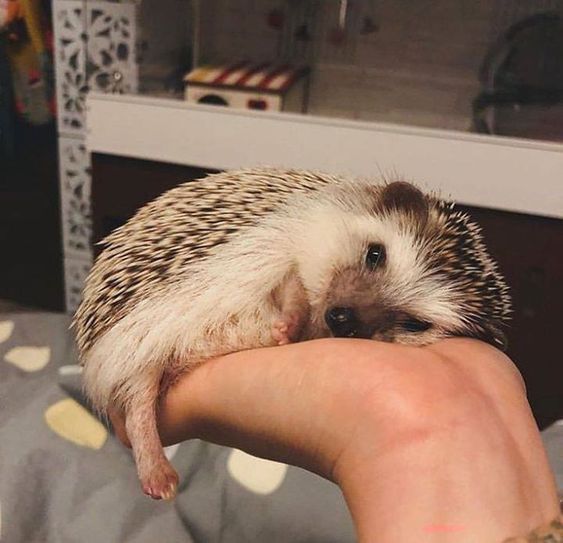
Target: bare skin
427 444
294 310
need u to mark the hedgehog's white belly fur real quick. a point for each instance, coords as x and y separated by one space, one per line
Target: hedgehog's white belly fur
210 312
161 333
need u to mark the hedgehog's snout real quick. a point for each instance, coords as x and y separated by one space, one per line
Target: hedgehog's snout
342 322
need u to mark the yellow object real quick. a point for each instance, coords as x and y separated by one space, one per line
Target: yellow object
256 474
6 329
30 64
29 358
24 54
72 422
31 10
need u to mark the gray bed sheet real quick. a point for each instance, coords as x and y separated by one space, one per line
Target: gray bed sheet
53 490
60 484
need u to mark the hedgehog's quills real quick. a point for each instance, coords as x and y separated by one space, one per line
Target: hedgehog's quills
257 258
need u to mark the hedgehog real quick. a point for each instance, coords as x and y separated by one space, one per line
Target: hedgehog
263 257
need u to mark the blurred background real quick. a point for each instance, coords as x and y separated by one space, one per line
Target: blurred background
106 104
31 269
450 66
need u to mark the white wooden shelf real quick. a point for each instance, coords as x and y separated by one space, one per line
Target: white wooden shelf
494 172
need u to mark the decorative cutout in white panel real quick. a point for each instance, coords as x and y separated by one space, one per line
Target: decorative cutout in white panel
95 49
76 271
112 64
75 184
69 19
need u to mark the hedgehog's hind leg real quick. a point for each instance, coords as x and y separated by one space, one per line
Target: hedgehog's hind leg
158 478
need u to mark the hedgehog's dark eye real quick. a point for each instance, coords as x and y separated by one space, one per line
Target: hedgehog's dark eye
375 256
415 325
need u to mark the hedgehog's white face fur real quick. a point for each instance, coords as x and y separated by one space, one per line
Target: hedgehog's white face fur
399 299
375 269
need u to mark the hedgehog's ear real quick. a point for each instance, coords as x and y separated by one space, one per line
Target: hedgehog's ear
406 198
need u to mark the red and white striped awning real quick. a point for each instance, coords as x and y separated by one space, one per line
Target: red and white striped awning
263 77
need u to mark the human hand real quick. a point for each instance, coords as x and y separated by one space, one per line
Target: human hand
436 443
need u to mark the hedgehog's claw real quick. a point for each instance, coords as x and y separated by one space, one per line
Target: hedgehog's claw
161 482
170 492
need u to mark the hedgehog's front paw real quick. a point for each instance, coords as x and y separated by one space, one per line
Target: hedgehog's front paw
279 332
286 329
160 482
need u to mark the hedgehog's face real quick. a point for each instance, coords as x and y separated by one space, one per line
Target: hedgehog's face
384 277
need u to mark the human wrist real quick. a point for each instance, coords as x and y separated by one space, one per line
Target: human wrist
466 467
548 533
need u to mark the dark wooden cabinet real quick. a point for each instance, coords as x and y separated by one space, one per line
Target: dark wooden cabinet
31 263
529 250
122 185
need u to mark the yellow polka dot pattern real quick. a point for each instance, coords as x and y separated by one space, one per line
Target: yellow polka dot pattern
72 422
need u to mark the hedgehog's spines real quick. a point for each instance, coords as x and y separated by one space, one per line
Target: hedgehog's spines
203 214
189 223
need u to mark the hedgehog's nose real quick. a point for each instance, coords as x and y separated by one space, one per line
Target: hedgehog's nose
342 321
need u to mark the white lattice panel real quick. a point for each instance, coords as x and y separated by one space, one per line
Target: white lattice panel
76 271
111 46
75 183
69 20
